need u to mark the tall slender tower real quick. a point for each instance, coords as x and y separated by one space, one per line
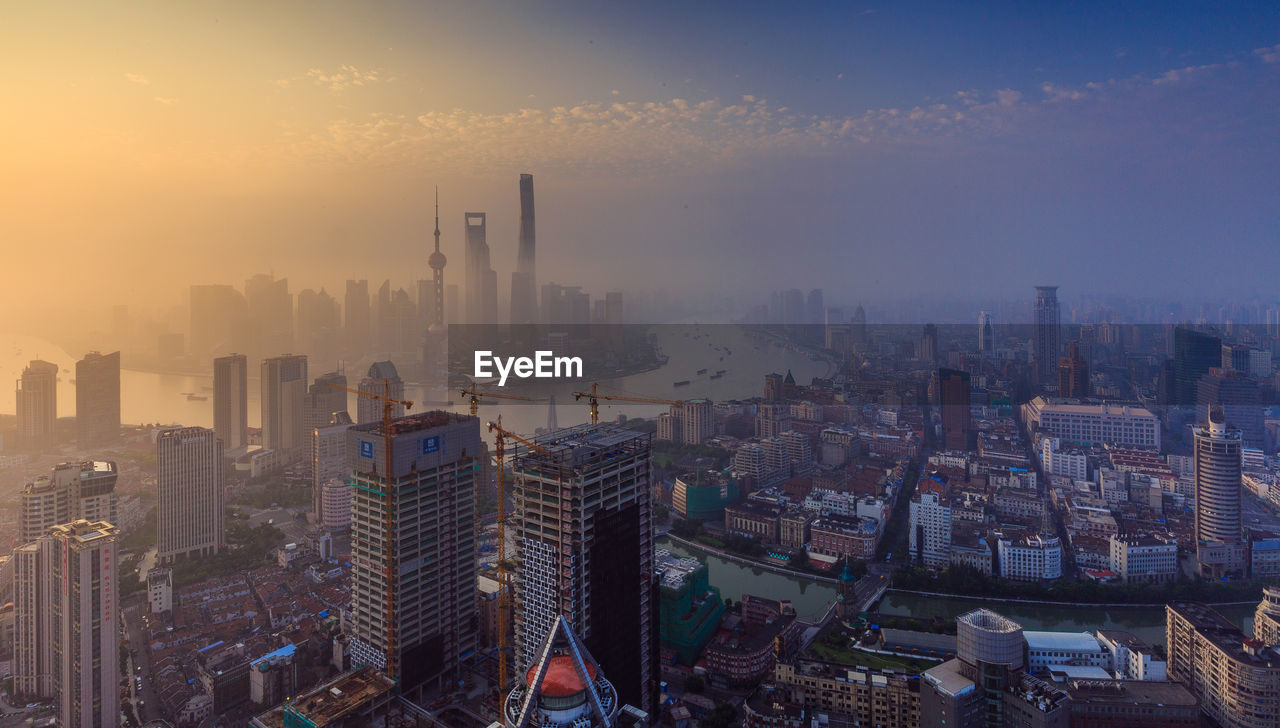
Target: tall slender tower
1220 547
437 262
524 281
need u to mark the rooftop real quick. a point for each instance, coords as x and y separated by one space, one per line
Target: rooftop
1065 641
1129 692
327 703
1225 635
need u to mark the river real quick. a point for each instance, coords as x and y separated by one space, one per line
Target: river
812 599
150 397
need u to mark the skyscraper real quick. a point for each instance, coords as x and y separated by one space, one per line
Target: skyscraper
73 491
86 616
524 281
1220 548
37 395
986 336
1194 354
383 380
482 280
324 399
231 401
1073 373
929 343
97 400
66 632
189 514
218 320
1240 398
953 399
330 462
413 548
270 307
1046 319
357 321
591 559
284 414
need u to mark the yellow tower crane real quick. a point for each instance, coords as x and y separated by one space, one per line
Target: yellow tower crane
473 396
388 509
594 397
500 437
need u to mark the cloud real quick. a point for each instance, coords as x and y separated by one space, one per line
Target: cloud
165 101
1269 55
138 79
612 136
346 77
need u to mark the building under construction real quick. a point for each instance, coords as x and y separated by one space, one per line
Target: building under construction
413 547
584 536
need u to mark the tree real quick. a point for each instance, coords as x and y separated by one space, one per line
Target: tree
721 716
694 684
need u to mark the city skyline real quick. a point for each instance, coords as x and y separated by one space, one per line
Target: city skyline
877 139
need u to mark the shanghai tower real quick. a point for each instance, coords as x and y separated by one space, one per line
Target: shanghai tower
524 300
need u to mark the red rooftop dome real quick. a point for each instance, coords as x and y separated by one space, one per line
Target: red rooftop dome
562 678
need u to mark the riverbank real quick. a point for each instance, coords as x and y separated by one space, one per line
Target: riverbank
730 556
1050 603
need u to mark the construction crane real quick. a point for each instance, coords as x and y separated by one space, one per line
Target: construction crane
388 508
500 437
473 396
594 397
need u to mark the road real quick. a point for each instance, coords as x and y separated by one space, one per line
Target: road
140 656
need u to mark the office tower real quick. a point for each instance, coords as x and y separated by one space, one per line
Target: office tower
382 380
859 331
86 615
74 491
590 559
567 687
270 307
1073 373
1046 319
37 395
1235 357
330 460
97 400
481 279
451 296
977 687
929 343
189 515
565 305
1220 548
524 281
325 399
357 321
231 401
793 307
1240 398
284 414
413 585
218 320
814 307
986 336
613 312
1235 678
318 331
1194 354
953 400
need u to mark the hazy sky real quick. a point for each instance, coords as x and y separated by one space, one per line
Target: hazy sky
876 150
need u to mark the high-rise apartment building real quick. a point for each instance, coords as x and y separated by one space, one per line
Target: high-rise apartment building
1073 373
231 401
589 558
86 617
481 279
67 622
413 547
524 281
1046 320
689 423
97 400
953 401
284 412
74 491
382 380
189 514
1220 547
330 463
37 395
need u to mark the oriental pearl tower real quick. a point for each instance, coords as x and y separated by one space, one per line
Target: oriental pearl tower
435 354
